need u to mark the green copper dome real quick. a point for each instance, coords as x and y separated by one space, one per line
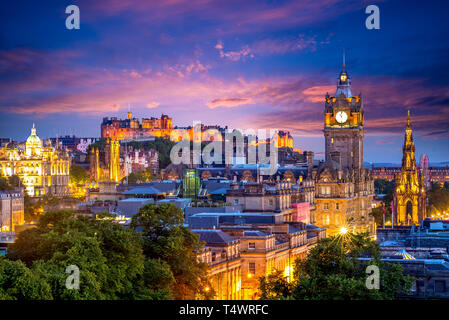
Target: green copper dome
33 139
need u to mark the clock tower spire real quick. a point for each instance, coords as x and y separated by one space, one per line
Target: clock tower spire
344 189
343 124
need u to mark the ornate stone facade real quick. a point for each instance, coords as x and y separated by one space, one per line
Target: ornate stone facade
344 189
105 164
132 128
410 193
42 169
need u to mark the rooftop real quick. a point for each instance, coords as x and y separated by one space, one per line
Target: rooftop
211 236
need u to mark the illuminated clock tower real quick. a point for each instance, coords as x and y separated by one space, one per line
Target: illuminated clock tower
344 189
343 125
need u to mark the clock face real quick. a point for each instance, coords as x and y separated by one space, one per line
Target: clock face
341 117
343 77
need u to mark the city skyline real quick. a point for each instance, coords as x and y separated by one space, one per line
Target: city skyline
266 66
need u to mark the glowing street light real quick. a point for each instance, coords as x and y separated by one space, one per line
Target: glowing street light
343 230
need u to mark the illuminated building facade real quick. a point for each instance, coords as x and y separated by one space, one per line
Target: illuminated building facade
132 128
237 258
105 163
344 188
435 174
222 254
11 210
267 243
262 197
265 248
410 193
262 254
384 173
285 140
191 183
42 169
139 160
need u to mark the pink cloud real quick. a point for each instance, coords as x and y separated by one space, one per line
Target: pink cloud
152 105
317 93
233 55
228 102
291 102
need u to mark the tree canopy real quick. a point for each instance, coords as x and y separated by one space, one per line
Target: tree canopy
161 145
17 282
108 256
9 183
142 176
155 258
333 271
387 188
438 198
166 239
78 175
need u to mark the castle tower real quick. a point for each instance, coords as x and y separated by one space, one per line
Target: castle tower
410 195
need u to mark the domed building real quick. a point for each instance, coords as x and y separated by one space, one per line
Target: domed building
42 169
33 146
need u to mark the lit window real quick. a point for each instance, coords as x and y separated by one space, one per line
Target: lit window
251 268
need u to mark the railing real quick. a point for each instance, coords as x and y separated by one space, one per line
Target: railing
282 246
312 240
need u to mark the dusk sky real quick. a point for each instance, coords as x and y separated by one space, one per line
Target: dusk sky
245 64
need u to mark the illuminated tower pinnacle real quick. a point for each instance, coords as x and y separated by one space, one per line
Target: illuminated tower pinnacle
410 197
344 81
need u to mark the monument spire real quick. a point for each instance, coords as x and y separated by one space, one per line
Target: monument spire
409 197
408 119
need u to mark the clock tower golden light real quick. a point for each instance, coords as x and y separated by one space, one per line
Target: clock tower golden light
343 123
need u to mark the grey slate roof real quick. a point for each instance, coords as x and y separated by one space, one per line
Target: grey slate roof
144 190
211 236
255 233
